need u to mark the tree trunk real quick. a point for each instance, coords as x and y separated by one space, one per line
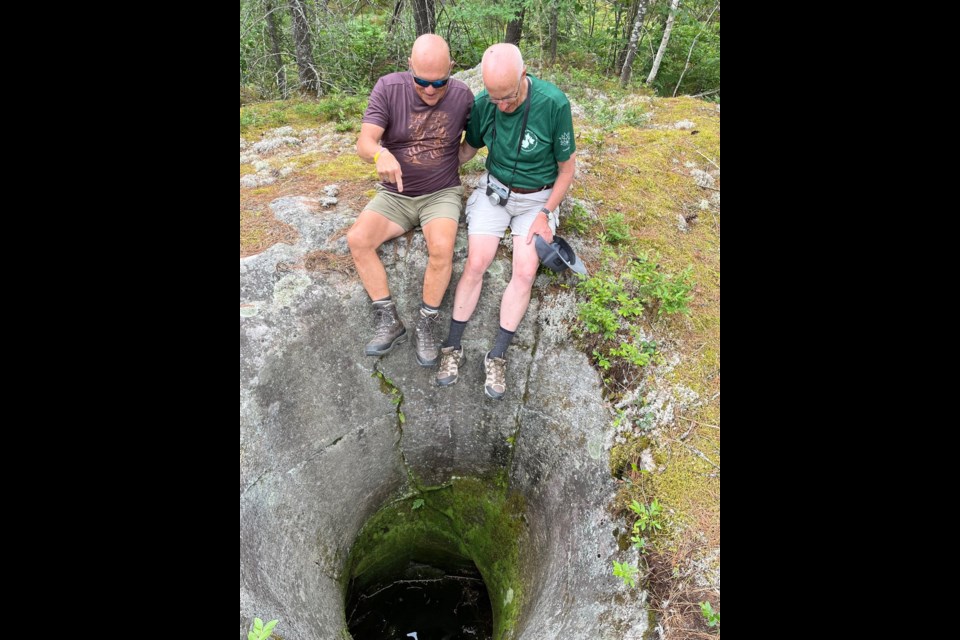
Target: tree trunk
275 50
552 44
663 42
425 16
628 17
632 47
397 8
306 69
515 28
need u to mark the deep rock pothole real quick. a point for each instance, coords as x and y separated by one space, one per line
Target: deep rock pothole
324 452
422 566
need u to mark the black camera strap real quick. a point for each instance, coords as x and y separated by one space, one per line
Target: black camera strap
523 131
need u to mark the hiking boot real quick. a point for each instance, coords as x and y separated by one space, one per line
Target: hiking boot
426 343
496 371
389 332
450 361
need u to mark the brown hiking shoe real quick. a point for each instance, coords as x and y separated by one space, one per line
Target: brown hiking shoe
425 340
389 332
496 371
450 361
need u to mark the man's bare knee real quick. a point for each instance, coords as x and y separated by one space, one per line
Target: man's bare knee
440 260
440 248
476 267
524 276
440 252
358 240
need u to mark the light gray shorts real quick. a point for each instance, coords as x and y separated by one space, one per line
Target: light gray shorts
488 219
410 212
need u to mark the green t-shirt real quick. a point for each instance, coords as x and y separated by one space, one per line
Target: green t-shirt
547 140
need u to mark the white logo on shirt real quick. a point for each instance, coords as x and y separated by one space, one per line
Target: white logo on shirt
530 141
564 140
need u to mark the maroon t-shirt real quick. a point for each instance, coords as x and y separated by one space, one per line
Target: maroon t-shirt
425 140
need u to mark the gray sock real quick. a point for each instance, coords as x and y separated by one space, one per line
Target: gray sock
456 334
503 341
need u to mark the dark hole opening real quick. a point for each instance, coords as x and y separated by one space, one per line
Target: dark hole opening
433 603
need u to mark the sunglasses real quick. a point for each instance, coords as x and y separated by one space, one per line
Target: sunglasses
436 84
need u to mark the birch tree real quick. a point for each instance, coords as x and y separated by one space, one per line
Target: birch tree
674 4
632 47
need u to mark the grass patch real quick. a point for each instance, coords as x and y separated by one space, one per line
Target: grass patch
476 164
345 111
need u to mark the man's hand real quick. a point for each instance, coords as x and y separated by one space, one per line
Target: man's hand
540 227
388 169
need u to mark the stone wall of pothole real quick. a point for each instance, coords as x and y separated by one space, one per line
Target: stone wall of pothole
323 447
466 537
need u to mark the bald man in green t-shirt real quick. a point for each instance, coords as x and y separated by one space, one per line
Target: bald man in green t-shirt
526 125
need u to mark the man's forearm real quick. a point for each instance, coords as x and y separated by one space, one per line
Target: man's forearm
367 148
466 152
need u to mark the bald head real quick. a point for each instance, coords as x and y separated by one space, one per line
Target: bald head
430 56
502 67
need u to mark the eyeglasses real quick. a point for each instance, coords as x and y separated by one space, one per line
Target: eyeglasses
515 95
436 84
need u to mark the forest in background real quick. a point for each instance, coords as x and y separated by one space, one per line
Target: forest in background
319 47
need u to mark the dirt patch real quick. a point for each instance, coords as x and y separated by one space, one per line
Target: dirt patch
259 229
676 594
325 261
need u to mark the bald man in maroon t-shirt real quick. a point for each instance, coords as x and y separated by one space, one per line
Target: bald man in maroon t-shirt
411 131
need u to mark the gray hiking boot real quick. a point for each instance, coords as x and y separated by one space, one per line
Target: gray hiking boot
389 332
450 361
496 371
425 340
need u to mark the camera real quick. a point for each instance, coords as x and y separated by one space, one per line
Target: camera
497 195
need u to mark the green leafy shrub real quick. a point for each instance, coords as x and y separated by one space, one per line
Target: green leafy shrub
712 617
260 631
626 572
578 220
616 230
